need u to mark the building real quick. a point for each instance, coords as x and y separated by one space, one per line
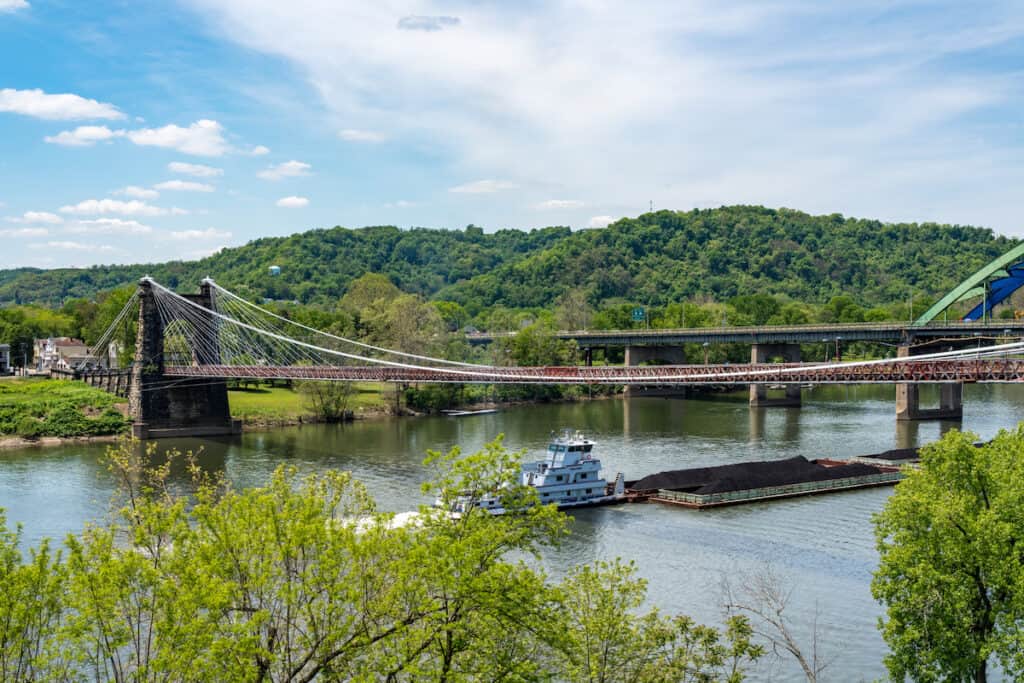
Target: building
5 359
62 353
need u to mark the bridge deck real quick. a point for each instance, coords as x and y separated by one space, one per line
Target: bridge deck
989 370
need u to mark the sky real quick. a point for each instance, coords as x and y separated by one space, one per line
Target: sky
145 131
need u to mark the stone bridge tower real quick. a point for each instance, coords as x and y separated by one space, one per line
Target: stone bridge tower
164 406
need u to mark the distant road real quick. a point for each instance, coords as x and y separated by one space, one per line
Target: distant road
776 334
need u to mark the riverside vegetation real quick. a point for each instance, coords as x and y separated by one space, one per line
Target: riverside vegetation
951 541
59 408
418 290
304 579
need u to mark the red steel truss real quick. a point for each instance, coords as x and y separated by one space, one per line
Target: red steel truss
945 370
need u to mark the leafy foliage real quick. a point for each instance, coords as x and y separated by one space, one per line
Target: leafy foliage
303 579
33 408
654 259
951 574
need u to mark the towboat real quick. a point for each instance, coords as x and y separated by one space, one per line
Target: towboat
569 476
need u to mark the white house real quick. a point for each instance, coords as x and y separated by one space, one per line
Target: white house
58 352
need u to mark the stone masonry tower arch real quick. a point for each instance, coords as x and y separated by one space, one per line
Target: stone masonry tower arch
163 406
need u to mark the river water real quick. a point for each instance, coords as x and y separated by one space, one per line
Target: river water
820 546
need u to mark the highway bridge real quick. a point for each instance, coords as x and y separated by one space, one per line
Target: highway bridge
900 333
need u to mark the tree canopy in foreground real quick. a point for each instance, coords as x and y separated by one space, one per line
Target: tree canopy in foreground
304 579
951 540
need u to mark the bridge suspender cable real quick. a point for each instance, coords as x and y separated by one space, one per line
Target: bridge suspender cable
108 335
364 345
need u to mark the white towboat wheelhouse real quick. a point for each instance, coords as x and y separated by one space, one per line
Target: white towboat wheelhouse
569 476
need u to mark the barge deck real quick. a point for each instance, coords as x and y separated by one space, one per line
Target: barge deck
749 482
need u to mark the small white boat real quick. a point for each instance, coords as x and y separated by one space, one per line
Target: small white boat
569 476
467 413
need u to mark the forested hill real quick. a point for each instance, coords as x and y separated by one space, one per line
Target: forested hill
655 258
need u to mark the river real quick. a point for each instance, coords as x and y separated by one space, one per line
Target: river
822 546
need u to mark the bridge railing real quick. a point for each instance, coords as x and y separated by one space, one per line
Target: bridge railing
117 382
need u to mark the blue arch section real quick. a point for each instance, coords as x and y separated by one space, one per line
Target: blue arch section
976 286
999 290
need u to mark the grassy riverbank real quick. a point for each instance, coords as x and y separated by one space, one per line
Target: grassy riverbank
32 408
267 405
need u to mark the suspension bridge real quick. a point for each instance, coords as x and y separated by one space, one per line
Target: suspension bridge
187 345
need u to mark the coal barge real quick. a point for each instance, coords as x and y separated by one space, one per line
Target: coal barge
749 482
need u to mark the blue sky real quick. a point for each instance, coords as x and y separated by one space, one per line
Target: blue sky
144 131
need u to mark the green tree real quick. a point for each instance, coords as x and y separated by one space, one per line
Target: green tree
790 314
535 345
951 572
31 610
453 314
369 291
327 400
758 307
602 637
572 310
303 579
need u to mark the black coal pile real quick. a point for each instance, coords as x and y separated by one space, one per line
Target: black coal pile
895 454
749 475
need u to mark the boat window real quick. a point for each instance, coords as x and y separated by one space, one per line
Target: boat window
558 478
588 448
588 490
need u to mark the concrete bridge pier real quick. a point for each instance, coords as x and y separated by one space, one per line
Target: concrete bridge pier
764 353
163 406
666 355
908 398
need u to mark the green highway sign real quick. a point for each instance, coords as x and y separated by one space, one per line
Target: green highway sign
638 314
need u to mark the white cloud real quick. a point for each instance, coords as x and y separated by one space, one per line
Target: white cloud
559 204
208 234
184 186
69 244
197 170
202 138
102 206
355 135
400 204
293 202
600 221
427 23
24 232
64 107
288 169
202 253
12 5
483 187
902 114
37 217
109 226
175 211
137 192
83 136
259 150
